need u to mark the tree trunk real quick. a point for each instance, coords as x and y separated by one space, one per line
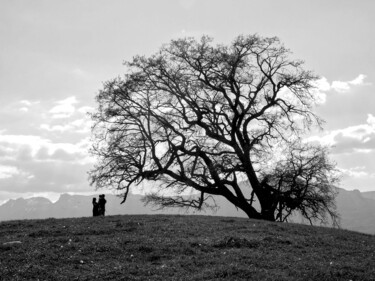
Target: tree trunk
251 213
268 214
268 204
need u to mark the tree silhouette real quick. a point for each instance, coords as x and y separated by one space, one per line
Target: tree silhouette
203 117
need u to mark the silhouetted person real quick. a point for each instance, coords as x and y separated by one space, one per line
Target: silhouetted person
95 207
101 204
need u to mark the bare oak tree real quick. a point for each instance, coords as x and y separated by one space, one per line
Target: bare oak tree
207 117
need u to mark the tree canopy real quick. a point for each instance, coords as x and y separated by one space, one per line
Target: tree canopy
204 117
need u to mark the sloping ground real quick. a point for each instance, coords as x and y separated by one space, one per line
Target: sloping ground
181 248
357 209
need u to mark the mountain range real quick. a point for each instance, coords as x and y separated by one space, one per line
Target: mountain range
357 209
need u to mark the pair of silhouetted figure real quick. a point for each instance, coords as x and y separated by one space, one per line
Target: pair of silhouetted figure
99 207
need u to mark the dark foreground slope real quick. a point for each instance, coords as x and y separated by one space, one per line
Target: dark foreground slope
181 248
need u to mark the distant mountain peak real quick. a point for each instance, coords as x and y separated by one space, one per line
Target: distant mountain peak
38 201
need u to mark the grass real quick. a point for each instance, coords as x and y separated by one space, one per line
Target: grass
163 247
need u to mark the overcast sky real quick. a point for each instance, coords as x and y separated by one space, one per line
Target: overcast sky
55 55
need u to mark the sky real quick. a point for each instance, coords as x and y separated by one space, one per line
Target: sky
55 56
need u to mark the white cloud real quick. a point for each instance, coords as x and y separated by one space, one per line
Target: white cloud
64 108
29 103
26 104
81 126
345 86
30 163
340 86
355 172
320 97
322 85
363 150
29 148
14 142
371 120
359 80
58 128
85 109
359 138
8 171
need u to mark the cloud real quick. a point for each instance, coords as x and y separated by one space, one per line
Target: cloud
58 155
29 103
54 128
359 80
356 172
30 148
8 171
77 126
370 120
340 86
60 122
47 177
353 139
353 149
62 114
345 86
13 143
30 163
86 109
320 97
64 108
322 86
26 104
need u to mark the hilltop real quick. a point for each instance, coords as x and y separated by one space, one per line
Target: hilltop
357 209
173 247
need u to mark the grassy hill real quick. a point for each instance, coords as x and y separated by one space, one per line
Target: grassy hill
172 247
